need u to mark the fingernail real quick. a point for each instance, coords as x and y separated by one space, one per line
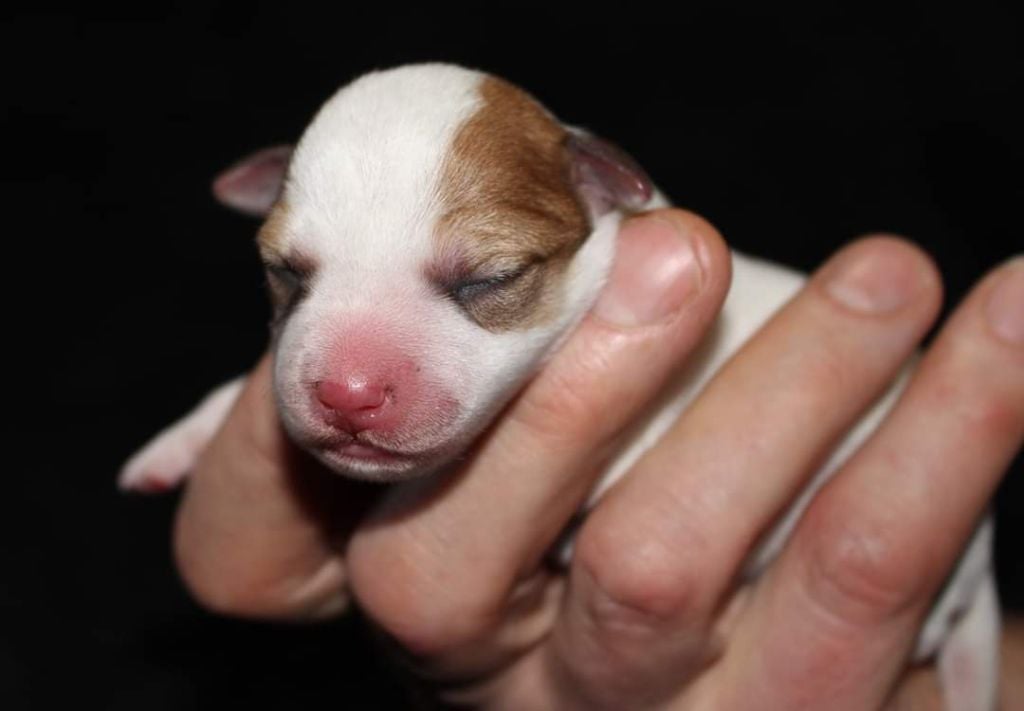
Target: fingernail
1005 307
656 271
875 281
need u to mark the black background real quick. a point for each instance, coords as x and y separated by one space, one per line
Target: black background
131 293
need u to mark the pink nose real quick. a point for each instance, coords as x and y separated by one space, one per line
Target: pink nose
356 403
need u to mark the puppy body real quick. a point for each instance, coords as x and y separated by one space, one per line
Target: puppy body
437 234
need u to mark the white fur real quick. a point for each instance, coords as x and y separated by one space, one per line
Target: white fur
380 142
362 197
172 453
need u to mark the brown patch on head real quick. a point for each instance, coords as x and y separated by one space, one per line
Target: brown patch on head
511 217
270 237
289 273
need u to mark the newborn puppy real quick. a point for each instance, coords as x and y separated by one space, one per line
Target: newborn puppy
433 236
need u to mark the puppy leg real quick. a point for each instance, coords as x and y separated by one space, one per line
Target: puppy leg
168 458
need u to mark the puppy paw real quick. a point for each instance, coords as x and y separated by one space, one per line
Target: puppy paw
161 465
169 457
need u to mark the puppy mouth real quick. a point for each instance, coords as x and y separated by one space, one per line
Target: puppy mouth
369 454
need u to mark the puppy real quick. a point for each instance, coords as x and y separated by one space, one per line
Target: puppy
432 237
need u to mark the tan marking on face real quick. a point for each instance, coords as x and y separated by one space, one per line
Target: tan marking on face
270 240
270 237
508 201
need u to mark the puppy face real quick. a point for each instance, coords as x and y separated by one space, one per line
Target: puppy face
435 233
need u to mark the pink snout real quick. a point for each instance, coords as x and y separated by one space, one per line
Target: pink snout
369 384
358 401
374 406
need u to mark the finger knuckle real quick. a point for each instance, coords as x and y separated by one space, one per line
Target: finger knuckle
637 584
830 368
417 604
984 411
859 573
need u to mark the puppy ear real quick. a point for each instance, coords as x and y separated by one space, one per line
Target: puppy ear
254 184
606 176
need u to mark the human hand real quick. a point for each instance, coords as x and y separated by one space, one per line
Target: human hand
649 614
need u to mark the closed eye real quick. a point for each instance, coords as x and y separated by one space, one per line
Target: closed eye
469 290
285 275
288 283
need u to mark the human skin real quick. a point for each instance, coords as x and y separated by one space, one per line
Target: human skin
648 615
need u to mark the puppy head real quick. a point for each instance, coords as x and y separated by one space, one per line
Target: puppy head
432 236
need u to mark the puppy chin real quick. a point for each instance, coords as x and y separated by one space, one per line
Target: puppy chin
368 463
